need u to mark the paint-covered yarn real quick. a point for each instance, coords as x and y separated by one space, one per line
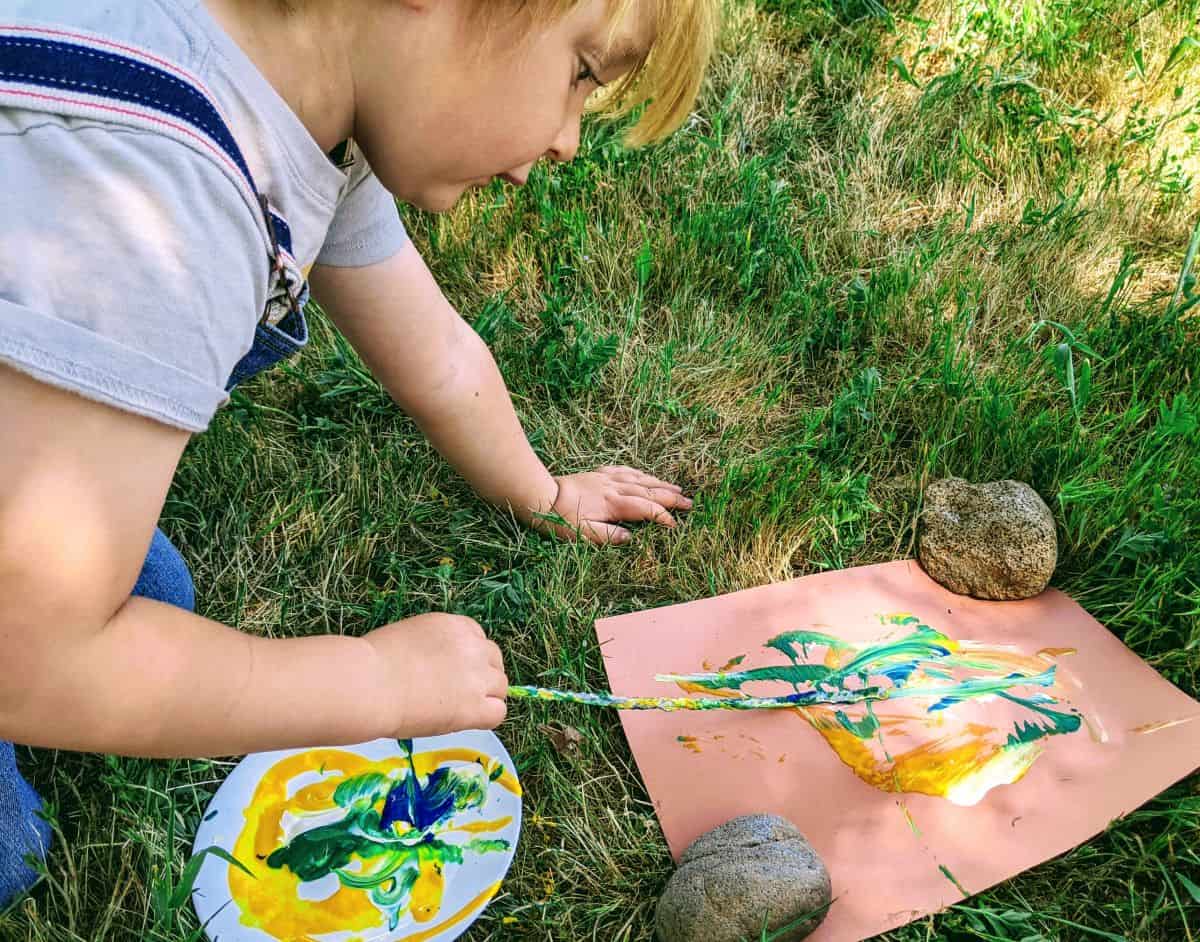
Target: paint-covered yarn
791 701
845 691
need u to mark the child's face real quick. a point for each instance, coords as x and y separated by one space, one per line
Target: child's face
470 104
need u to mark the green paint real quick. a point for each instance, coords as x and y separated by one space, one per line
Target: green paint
394 859
879 672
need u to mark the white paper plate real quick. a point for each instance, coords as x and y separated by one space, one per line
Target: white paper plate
298 787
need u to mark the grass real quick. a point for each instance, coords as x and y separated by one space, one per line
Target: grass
893 244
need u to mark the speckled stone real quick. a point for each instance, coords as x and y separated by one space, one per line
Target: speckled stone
991 541
750 872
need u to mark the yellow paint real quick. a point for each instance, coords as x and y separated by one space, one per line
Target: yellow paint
269 900
1004 657
1095 727
689 743
317 797
960 768
1165 724
475 904
427 892
483 827
426 762
1052 653
689 687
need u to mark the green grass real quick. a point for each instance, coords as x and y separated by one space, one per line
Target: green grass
948 239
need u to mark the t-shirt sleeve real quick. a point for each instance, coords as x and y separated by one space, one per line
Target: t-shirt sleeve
131 271
366 227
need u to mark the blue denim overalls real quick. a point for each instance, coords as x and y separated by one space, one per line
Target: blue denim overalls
86 75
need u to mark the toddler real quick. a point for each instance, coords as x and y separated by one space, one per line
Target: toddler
174 175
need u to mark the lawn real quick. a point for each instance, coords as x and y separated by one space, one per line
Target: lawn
948 239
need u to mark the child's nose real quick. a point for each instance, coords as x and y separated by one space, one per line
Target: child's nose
566 145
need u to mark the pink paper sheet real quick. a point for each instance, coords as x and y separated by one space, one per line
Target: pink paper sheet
884 874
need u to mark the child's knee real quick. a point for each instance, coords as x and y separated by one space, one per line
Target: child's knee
165 577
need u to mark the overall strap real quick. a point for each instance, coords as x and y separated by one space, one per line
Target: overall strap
84 75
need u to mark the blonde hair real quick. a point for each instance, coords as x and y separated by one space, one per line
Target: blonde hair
668 80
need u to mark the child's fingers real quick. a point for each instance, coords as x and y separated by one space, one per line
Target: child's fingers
627 475
650 481
641 508
498 685
492 713
604 533
671 499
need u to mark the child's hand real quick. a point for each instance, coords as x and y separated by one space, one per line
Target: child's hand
594 501
440 675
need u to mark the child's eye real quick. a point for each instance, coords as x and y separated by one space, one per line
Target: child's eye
586 74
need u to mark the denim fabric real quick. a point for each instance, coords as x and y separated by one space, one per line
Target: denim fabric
272 343
165 577
22 832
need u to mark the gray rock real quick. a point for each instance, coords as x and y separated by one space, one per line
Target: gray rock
752 872
992 541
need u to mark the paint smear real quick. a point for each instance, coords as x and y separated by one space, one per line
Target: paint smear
751 750
1095 728
378 827
690 743
1165 724
909 692
477 903
920 689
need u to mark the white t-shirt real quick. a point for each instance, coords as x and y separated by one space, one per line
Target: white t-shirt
131 271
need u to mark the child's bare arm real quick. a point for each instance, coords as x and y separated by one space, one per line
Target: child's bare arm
440 372
85 666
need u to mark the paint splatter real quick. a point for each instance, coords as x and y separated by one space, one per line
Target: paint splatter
698 743
365 844
917 690
690 743
889 709
1165 724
